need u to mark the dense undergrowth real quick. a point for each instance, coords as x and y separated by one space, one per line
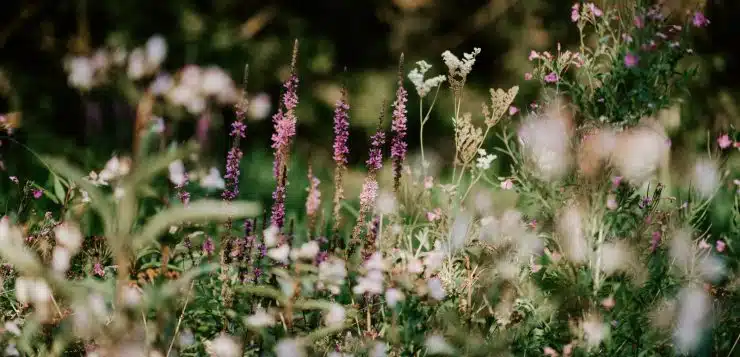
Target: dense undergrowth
593 241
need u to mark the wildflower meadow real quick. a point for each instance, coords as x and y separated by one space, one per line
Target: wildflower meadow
455 224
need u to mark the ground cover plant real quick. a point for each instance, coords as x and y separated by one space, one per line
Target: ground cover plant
588 240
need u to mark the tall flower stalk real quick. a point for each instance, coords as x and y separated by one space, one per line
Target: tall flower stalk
285 127
398 128
341 137
369 192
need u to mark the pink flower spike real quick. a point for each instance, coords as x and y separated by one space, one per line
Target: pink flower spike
513 110
630 60
527 76
552 77
533 55
724 141
37 194
721 245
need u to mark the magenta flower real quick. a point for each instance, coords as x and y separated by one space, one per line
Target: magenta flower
285 123
37 194
533 55
721 245
278 207
341 130
513 110
630 60
398 128
233 158
369 193
375 161
98 269
208 246
594 10
724 141
655 241
575 13
639 22
616 181
552 77
699 20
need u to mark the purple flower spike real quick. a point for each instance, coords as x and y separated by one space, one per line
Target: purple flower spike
398 127
341 130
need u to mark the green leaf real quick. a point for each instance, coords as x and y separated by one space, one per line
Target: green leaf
98 200
59 190
202 210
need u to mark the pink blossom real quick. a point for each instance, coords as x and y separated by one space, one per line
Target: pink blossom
611 203
513 110
507 184
533 55
639 22
721 245
608 303
434 214
550 352
627 38
699 20
428 182
630 60
527 76
535 267
574 12
594 10
98 269
704 245
37 194
552 77
724 141
655 241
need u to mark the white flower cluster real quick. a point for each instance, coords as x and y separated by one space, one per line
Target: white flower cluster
37 292
546 141
484 159
332 275
373 280
69 241
194 86
424 86
459 68
114 169
87 72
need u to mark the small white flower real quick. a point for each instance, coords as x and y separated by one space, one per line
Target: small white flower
215 81
213 181
280 253
332 274
456 66
393 296
40 292
436 344
271 236
161 84
595 331
260 319
706 178
259 107
131 296
118 193
289 347
433 260
85 196
375 262
335 315
372 283
414 266
23 290
177 173
12 327
484 159
308 251
137 64
378 349
69 236
436 291
81 73
156 51
60 259
224 346
423 87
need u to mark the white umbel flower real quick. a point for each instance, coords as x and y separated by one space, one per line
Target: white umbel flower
280 253
457 67
260 318
424 86
224 346
335 315
289 347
